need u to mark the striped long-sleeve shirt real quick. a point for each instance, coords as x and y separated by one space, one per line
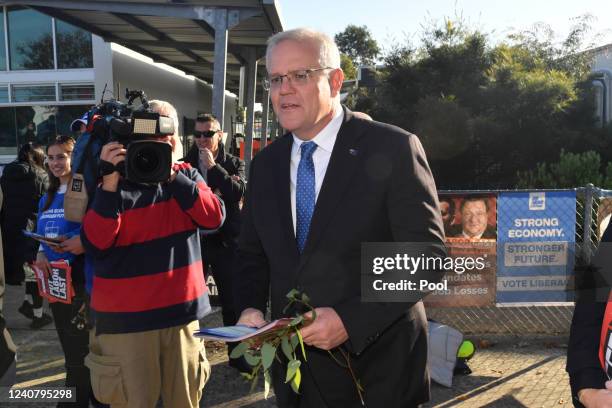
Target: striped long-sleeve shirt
147 262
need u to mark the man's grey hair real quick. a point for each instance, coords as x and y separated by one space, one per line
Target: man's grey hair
167 109
329 55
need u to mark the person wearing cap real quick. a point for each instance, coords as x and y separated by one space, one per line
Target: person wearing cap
79 126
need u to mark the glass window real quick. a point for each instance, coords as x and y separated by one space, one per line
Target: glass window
8 133
33 93
4 94
36 124
66 114
73 46
74 92
2 42
30 39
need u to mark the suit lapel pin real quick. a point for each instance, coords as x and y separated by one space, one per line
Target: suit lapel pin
353 152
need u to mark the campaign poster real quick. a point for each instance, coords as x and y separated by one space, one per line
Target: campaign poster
57 286
470 225
536 246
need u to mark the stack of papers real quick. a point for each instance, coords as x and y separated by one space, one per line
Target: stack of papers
240 332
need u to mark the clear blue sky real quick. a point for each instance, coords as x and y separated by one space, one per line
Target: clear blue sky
394 20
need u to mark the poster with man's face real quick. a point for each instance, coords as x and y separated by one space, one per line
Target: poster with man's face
470 225
469 217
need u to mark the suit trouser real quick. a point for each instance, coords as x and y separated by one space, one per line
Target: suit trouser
130 369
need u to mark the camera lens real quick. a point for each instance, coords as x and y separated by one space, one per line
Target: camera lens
146 160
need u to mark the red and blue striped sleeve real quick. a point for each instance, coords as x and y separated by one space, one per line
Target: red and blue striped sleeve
197 199
102 222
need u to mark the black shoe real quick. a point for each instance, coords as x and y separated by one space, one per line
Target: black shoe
26 309
40 322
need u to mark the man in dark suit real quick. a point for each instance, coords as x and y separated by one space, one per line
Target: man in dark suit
474 220
224 174
314 196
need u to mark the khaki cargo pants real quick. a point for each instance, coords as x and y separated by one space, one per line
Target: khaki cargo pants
130 370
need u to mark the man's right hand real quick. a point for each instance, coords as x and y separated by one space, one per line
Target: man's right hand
114 153
596 398
251 317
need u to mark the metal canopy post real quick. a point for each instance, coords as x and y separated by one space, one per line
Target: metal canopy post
221 20
273 128
220 64
265 105
251 82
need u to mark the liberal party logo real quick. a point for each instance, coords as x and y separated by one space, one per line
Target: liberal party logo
537 201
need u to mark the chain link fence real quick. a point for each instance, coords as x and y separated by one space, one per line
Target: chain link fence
593 212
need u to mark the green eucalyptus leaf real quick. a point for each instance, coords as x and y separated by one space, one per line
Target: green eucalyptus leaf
239 350
267 383
292 368
297 320
295 383
305 298
286 347
299 336
252 359
294 341
267 355
292 294
247 376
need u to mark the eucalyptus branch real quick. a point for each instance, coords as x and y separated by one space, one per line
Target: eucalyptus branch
261 351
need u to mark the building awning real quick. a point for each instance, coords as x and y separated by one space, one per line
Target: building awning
218 41
180 33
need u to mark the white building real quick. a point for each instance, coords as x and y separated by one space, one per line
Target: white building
52 72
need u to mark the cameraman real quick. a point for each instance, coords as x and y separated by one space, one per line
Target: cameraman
224 174
148 288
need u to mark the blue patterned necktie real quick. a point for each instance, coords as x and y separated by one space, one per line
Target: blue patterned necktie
305 193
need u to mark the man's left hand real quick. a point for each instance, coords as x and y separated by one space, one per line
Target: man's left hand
73 245
326 331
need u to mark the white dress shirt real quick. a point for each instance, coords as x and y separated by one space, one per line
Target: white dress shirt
325 141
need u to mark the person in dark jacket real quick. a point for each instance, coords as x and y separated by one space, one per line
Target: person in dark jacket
24 181
7 347
225 175
590 332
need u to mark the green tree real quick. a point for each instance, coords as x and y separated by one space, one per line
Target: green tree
487 112
571 170
358 44
346 63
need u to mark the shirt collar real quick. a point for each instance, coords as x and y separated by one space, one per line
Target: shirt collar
326 138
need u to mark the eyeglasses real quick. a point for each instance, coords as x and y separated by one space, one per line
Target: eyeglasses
207 133
298 78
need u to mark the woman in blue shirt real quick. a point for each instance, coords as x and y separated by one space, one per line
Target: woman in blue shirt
52 224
